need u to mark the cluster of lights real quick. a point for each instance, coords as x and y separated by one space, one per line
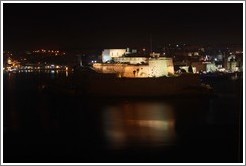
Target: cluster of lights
239 52
56 67
46 67
56 52
177 45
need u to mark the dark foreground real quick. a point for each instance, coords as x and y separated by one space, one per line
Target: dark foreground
41 127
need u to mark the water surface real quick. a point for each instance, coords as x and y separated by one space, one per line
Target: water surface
57 127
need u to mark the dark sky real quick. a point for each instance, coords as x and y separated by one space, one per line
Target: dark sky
28 26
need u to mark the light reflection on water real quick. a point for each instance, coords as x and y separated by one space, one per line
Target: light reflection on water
113 130
144 124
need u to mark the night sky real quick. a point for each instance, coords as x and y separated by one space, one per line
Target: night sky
30 26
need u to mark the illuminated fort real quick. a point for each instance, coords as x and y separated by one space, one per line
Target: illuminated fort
126 64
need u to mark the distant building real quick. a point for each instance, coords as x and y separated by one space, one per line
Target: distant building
232 64
211 67
204 66
200 66
131 60
131 66
109 54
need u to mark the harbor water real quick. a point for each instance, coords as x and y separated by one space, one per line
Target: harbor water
41 127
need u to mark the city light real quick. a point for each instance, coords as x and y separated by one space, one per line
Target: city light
115 83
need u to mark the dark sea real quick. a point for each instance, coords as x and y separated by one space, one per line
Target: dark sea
41 127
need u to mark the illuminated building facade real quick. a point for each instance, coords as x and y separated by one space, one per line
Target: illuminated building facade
232 64
134 66
109 54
